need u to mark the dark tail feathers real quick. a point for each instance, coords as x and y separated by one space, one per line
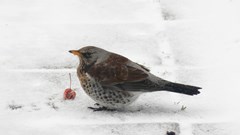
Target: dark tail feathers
181 88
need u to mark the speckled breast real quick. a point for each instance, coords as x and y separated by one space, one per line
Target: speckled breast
105 96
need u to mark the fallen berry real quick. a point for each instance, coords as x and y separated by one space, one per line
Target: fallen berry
69 94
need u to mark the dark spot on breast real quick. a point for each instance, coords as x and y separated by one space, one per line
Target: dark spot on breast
125 94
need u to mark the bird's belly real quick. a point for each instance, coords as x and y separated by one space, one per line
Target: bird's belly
108 97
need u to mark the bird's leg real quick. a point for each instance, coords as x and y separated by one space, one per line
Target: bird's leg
101 109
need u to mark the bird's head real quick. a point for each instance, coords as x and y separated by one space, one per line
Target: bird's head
89 55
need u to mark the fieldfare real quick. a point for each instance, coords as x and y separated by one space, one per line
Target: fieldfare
114 81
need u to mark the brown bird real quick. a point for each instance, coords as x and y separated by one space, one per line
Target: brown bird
114 81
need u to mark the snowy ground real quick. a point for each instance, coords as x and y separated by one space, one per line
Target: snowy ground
193 42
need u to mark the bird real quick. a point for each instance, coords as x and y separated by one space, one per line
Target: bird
114 81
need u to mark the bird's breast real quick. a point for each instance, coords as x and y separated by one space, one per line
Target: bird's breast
105 96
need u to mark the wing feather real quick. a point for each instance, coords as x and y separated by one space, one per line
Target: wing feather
116 70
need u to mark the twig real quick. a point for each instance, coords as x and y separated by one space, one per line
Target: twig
70 80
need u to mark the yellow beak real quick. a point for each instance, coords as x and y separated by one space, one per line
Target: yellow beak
75 52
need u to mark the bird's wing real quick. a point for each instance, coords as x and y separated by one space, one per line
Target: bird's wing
145 68
117 70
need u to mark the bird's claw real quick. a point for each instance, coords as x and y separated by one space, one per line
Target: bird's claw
101 109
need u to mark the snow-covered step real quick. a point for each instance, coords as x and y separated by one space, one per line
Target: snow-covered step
205 54
79 11
49 127
130 129
39 33
215 129
46 46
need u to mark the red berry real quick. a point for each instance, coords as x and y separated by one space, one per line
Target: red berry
69 94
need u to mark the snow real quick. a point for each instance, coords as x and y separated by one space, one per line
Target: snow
192 42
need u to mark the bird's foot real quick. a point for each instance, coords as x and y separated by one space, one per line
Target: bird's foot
170 133
101 109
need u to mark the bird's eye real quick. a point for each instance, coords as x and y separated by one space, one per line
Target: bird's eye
86 55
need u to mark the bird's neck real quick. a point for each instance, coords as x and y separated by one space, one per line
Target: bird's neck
83 69
80 69
81 73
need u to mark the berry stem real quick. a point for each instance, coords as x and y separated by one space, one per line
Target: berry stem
70 80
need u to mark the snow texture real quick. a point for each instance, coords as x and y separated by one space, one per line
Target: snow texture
193 42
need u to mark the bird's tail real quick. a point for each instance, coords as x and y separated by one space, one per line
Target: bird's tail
181 88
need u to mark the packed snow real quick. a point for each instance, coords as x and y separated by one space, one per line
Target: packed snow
192 42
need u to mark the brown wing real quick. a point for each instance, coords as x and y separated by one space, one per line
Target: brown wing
116 70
